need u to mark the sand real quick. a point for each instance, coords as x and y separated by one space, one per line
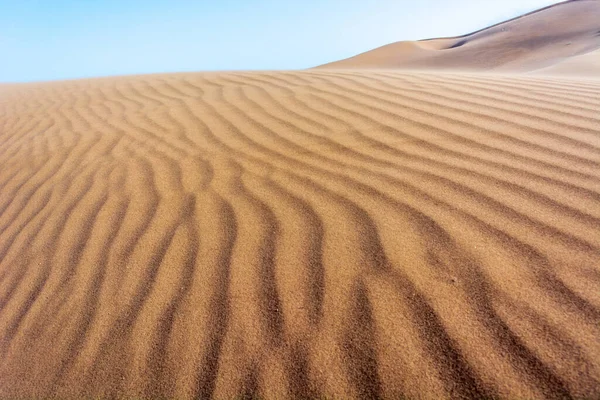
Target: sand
586 65
534 41
330 233
323 234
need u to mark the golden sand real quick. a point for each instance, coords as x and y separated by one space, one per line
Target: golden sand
304 234
358 233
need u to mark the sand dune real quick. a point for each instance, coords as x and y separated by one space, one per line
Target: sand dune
317 234
534 41
586 65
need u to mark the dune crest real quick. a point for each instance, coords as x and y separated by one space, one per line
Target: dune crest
317 234
534 41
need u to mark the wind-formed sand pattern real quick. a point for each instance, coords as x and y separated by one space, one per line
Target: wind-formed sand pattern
306 234
339 234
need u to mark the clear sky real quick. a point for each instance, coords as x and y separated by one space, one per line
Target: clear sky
63 39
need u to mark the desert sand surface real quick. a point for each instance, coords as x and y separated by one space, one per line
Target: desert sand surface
316 234
585 65
344 233
531 42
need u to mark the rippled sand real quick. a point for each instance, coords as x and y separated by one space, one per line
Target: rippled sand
323 234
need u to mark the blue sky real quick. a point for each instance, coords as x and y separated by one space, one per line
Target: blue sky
64 39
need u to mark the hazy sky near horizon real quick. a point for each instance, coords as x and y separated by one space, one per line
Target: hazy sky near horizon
64 39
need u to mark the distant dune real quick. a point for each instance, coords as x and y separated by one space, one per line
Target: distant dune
339 234
534 41
585 65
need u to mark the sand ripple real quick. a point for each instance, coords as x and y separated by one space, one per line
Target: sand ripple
319 234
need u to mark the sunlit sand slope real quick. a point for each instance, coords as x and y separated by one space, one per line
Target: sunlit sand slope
586 65
300 235
534 41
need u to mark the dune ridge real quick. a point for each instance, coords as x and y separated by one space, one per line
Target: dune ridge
545 41
316 234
